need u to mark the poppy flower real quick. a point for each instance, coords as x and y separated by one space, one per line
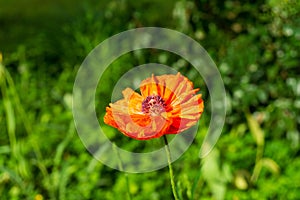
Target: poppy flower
168 104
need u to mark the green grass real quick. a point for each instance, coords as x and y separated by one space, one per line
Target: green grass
255 46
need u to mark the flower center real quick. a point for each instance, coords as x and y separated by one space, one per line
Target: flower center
153 105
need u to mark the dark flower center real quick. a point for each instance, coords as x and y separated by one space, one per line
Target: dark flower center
153 105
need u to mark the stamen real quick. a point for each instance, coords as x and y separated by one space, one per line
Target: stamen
153 105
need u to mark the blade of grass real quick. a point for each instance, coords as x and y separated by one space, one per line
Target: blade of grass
11 123
258 136
27 125
5 149
20 161
61 147
195 184
13 176
66 172
122 169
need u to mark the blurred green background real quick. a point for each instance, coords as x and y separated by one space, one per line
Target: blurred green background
255 45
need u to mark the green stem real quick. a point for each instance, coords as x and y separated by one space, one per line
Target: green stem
170 167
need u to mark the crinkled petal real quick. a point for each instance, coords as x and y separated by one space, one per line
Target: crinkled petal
156 128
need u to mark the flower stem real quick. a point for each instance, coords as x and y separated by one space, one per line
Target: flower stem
170 167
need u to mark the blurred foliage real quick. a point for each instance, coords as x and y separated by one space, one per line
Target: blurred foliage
256 46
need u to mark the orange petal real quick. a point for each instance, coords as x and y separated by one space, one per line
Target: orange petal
167 86
180 124
186 114
108 118
134 100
